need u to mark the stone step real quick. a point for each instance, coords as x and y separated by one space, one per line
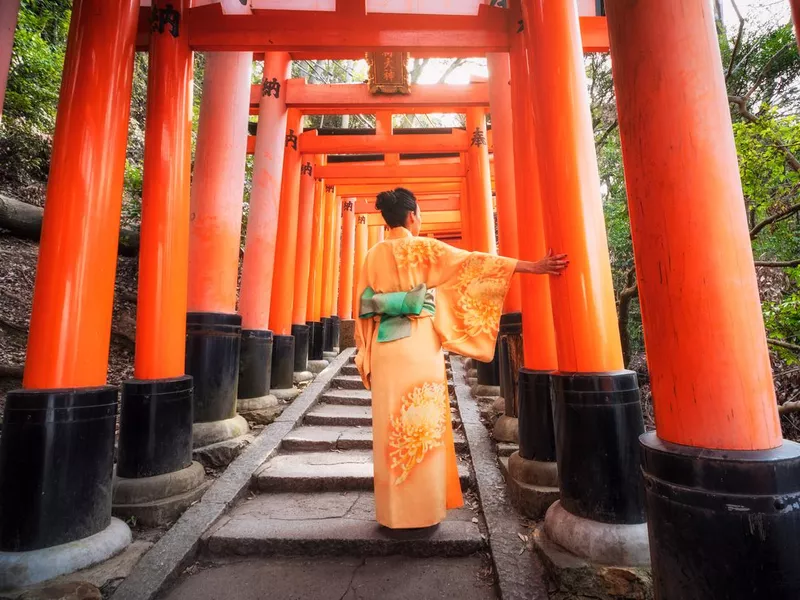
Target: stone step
343 414
318 439
349 370
324 472
347 382
360 396
347 397
333 523
339 414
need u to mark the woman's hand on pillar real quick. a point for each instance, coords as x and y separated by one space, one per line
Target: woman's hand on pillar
552 264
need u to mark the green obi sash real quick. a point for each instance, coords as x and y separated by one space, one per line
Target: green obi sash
394 310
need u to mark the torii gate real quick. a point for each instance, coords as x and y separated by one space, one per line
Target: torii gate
719 482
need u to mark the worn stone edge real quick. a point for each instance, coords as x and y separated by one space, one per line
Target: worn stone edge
175 551
519 574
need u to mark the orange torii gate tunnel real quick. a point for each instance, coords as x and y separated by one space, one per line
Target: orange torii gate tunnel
708 499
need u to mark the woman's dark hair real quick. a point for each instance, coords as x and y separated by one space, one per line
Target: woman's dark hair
395 206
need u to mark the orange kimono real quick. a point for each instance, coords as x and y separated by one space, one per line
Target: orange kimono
416 473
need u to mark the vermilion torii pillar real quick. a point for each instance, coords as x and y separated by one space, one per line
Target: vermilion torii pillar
466 215
362 247
718 441
346 278
348 248
326 296
376 233
156 419
510 356
314 313
533 469
479 180
280 317
481 217
326 290
255 362
213 327
505 185
336 322
305 224
598 416
8 23
55 473
796 18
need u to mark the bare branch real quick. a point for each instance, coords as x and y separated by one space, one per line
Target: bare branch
11 371
785 213
784 345
627 294
602 140
766 68
789 407
631 289
419 67
737 46
452 67
778 264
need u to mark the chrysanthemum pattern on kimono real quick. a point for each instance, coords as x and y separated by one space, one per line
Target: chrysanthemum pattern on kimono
419 427
413 253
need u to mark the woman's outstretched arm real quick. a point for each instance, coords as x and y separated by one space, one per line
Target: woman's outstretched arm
552 264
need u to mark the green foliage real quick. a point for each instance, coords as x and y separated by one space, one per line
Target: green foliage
782 319
37 61
769 183
24 159
29 111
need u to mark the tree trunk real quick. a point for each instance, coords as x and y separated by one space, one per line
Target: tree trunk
623 313
25 221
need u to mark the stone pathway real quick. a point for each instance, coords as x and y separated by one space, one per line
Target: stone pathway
314 499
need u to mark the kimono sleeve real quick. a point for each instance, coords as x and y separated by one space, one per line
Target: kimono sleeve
365 329
470 291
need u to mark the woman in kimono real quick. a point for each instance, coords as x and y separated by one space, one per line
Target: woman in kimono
419 296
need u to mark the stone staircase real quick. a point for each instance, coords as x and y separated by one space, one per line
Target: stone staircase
314 497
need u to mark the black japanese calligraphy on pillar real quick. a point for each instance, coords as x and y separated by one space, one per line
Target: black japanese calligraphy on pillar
271 86
521 24
329 188
291 138
307 169
348 206
478 138
499 3
161 18
362 220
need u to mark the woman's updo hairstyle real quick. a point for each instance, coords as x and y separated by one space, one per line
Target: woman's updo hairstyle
395 206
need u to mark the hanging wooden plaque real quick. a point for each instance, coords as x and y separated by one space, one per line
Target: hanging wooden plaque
388 73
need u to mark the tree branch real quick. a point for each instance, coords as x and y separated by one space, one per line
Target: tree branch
765 69
452 67
778 264
419 67
627 294
737 46
788 212
11 371
784 345
599 143
789 407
